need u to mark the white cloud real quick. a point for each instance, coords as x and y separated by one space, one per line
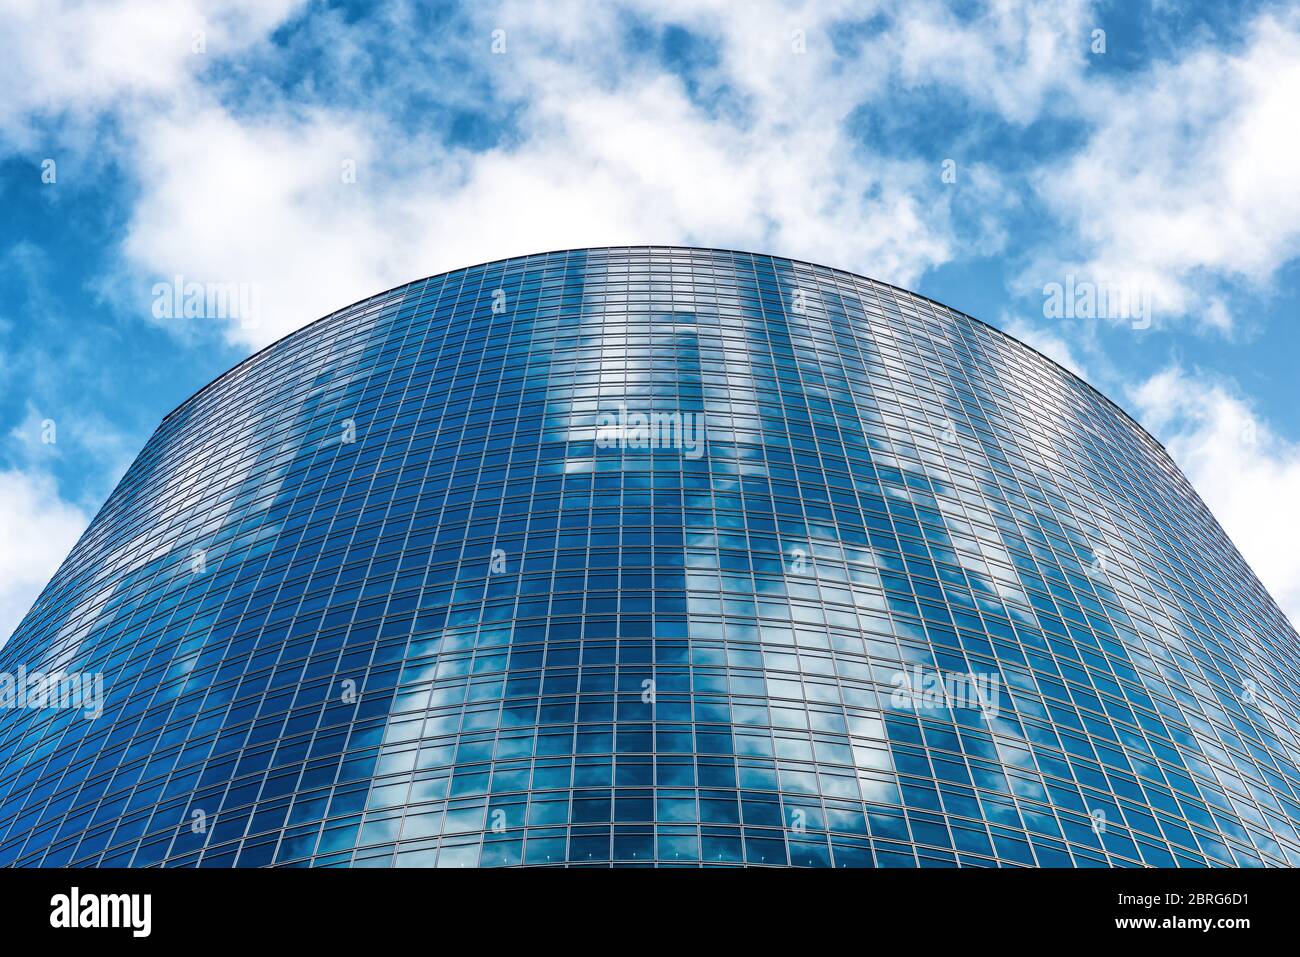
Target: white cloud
71 59
262 202
601 160
611 147
1184 180
1009 57
1187 179
1245 473
38 531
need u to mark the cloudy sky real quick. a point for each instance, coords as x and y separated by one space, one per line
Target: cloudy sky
310 154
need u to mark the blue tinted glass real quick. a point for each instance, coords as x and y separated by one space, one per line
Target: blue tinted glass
636 555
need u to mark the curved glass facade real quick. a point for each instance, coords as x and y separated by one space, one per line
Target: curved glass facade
651 555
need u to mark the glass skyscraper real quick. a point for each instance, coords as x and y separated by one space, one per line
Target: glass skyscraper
644 555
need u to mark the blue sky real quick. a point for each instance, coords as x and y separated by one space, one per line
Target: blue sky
309 154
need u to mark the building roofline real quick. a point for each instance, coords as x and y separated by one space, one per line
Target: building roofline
650 246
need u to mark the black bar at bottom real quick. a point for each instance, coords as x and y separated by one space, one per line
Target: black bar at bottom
554 908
